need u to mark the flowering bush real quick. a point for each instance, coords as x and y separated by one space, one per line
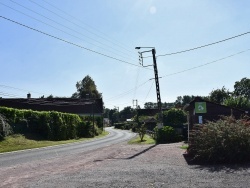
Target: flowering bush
224 141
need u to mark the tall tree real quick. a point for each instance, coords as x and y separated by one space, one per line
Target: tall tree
86 88
182 101
242 88
126 113
219 95
150 105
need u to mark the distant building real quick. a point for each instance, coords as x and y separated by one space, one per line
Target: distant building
66 105
200 111
149 112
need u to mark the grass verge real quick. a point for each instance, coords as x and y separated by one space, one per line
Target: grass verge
20 142
146 140
185 146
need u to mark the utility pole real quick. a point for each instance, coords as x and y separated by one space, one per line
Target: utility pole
157 85
136 103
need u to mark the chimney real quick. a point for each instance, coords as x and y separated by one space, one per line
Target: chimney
28 96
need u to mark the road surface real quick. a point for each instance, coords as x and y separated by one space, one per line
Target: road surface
24 156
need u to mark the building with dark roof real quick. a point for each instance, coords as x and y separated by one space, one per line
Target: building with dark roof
200 111
65 105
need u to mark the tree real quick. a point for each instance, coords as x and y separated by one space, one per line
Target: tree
182 101
126 113
219 95
174 117
238 102
106 113
141 130
113 116
86 87
150 105
242 88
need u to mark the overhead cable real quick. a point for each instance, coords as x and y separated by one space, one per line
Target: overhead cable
106 49
104 38
203 46
205 64
71 43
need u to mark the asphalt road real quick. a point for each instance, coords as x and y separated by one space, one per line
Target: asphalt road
19 157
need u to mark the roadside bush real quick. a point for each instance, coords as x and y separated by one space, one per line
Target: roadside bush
119 125
124 126
224 141
49 125
5 128
166 134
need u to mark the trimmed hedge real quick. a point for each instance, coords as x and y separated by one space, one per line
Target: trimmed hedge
50 124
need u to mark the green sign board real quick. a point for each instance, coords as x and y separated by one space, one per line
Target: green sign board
200 107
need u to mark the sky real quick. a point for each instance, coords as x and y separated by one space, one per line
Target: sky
46 46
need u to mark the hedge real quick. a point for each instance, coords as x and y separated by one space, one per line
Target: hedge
50 125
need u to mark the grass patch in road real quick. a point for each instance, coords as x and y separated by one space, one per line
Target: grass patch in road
146 140
20 142
185 146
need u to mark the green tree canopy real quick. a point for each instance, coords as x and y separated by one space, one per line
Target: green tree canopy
182 101
86 88
238 102
242 88
126 113
219 95
174 117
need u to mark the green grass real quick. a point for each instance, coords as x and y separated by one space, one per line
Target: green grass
146 140
20 142
185 146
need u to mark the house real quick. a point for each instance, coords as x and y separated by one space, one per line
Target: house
200 111
83 107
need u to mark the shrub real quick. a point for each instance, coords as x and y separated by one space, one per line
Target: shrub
5 128
224 141
119 125
174 118
141 130
166 134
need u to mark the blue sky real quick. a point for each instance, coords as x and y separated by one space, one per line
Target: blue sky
35 63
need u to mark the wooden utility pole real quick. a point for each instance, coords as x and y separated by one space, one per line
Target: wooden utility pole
157 85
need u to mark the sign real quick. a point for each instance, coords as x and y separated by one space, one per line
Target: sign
200 120
200 107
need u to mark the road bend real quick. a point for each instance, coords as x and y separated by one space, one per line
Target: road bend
19 157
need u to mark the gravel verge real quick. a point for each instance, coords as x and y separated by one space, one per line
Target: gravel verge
124 165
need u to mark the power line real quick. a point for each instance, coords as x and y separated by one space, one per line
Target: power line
104 38
10 87
127 92
203 46
71 43
148 92
64 27
136 81
205 64
9 94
